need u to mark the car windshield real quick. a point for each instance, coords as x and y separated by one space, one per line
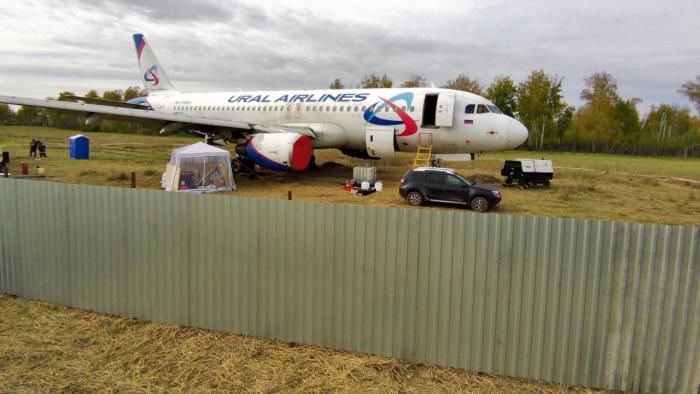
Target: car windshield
494 109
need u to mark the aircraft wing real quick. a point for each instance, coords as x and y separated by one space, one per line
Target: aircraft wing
152 117
126 114
99 101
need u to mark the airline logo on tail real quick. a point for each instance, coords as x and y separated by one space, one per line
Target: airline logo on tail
151 75
140 44
371 115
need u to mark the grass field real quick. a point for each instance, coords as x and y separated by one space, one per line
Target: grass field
586 186
49 348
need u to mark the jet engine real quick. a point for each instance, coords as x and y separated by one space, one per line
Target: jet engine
280 151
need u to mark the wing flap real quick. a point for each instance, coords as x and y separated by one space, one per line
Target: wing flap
99 101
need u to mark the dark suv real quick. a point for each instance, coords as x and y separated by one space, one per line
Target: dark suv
445 185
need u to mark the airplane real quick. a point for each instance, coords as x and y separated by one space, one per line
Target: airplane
280 130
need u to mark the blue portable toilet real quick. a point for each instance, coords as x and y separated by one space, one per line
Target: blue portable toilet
79 147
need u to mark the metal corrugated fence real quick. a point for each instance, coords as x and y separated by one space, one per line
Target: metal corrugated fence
601 304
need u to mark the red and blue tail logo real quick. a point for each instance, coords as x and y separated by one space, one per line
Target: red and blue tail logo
140 44
151 75
371 115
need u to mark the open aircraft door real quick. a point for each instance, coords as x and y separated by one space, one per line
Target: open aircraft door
380 141
445 109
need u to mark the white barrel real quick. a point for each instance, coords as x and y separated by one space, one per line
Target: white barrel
364 185
378 186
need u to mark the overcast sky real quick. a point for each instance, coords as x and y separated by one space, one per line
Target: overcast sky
48 46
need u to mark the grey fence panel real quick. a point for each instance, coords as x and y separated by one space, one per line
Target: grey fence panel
601 304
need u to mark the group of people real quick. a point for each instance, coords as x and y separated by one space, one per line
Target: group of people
37 145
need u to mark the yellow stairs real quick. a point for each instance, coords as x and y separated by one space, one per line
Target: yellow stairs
423 156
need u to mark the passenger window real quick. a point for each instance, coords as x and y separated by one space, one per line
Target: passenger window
364 108
412 108
335 108
434 177
451 180
386 109
482 109
469 109
341 108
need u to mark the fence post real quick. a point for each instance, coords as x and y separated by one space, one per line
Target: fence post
133 180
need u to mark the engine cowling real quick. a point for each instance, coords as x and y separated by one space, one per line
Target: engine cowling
281 152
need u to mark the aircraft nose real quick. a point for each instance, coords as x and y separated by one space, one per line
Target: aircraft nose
517 133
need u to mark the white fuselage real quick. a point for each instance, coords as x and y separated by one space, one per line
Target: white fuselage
341 118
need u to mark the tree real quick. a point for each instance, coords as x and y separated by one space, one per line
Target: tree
564 122
373 81
540 103
92 94
336 84
415 81
114 95
627 122
133 92
692 90
7 116
464 83
63 119
30 116
504 94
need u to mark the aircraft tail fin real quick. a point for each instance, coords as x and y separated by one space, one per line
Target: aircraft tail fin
152 73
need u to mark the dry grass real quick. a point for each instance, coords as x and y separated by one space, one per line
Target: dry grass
49 348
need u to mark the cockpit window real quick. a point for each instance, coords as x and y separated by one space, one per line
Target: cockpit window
469 109
494 109
481 109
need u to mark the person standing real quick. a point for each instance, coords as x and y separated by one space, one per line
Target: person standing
42 148
32 148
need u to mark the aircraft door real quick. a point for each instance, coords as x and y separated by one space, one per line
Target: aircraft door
445 109
380 141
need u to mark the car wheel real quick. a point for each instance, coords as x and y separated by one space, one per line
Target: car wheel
414 198
480 204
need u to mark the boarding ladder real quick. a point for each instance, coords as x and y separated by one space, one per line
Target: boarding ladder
423 156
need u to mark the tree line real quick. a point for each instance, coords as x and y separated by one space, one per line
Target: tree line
605 122
32 116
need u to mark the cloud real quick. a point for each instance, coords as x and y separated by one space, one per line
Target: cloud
165 10
222 45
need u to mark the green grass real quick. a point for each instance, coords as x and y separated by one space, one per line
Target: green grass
586 186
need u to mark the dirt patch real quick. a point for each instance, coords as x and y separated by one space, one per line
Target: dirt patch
485 178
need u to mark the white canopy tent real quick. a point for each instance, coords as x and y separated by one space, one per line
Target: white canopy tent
199 168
